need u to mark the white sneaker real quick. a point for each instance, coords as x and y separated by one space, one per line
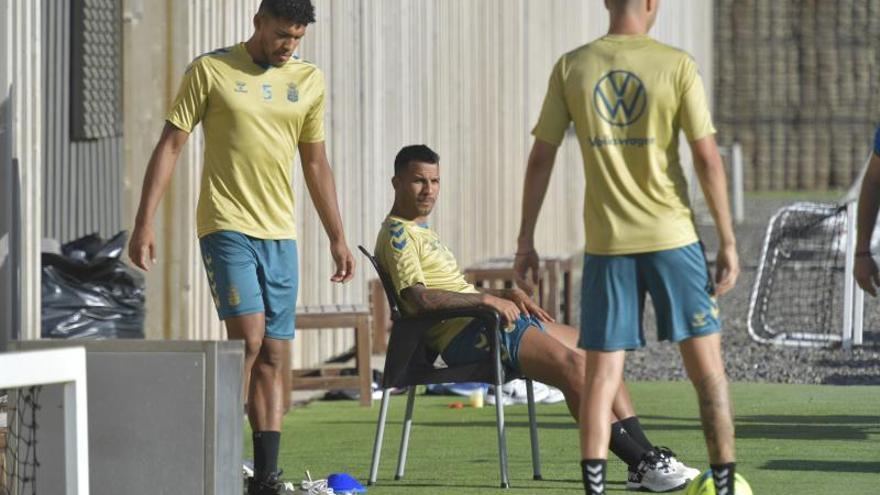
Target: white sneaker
654 474
554 396
669 456
314 487
514 392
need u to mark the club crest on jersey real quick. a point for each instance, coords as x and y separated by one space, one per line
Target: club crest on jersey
240 87
234 297
292 92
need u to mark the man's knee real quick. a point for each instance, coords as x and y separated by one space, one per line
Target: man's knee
252 346
272 355
601 367
576 371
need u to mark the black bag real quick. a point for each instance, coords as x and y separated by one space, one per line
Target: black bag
90 293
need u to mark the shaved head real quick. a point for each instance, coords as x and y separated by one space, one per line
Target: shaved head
632 16
622 4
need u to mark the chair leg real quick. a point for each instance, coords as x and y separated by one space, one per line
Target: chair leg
499 413
533 432
365 373
380 435
407 427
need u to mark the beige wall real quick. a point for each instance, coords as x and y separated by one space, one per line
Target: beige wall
21 171
466 77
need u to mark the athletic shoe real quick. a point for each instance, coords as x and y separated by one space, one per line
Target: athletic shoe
669 456
514 392
654 474
247 471
272 485
314 487
554 396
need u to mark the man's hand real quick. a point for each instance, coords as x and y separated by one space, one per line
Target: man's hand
865 272
508 310
726 269
523 263
527 305
344 262
142 247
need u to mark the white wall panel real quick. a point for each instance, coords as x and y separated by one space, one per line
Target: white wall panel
20 91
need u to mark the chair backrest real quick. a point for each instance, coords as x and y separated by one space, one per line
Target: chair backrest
408 361
387 284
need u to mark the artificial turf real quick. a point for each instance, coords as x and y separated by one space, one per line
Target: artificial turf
791 439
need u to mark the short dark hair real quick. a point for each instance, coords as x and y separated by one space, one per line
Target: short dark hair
414 153
296 11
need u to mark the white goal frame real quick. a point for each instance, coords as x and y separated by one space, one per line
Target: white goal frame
66 367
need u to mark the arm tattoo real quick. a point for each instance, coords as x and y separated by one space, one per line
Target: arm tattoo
434 299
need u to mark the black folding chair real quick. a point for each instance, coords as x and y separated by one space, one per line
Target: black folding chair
409 362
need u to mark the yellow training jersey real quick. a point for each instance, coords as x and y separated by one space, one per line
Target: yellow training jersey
253 117
628 96
413 254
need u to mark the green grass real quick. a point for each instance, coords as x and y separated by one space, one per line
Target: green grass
801 439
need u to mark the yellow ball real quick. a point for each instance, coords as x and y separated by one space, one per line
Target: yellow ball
704 485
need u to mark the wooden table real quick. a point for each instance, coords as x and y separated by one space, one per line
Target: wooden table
554 291
356 317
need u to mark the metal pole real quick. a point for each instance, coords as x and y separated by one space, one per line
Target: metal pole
499 407
858 316
407 428
737 195
380 435
849 284
533 431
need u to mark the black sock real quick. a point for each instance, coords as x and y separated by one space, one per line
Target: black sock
634 428
266 453
722 475
593 472
625 446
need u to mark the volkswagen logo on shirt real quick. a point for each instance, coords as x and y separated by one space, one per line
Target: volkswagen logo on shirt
620 98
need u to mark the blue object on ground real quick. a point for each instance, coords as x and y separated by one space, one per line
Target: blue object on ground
344 483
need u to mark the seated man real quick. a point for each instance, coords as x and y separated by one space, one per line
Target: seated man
426 276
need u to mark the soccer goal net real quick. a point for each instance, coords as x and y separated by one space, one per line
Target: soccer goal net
23 377
804 292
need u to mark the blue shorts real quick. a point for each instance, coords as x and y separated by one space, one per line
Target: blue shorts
249 275
472 343
613 297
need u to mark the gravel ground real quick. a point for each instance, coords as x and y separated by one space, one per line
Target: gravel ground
746 359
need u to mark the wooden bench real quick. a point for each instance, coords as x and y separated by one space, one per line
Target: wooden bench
331 317
554 291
